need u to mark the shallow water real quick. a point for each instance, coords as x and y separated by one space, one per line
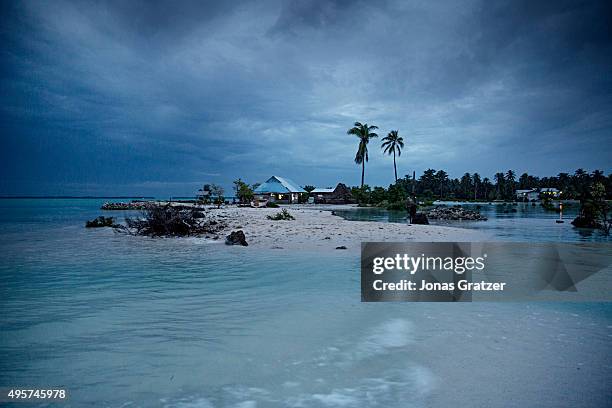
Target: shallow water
130 321
528 224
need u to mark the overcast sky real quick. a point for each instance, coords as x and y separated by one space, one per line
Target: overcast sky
156 98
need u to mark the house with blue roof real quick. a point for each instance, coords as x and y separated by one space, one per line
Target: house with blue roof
280 190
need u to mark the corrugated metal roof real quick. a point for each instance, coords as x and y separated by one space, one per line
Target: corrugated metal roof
279 185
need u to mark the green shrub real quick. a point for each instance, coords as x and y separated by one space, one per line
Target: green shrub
283 215
270 204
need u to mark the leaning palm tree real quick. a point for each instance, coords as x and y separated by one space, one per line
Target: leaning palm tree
393 143
364 133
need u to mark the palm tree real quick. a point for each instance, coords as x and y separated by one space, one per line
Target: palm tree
486 183
442 179
499 184
598 176
511 179
393 143
364 133
476 180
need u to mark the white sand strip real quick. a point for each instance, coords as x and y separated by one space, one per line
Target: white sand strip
315 229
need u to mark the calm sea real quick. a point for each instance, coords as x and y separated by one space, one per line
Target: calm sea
123 321
522 222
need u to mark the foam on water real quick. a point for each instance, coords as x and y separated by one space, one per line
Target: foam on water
394 333
375 371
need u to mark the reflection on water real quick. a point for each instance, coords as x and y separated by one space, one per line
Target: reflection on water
522 222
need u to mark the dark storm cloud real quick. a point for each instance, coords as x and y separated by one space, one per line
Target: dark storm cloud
316 14
157 97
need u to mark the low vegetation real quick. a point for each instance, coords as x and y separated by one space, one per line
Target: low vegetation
594 210
281 216
243 191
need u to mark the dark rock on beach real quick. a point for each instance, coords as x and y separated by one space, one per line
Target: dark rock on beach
341 247
420 218
236 238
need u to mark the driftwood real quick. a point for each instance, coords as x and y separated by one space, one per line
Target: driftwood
172 221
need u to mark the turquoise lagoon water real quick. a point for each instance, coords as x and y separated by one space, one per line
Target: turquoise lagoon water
528 224
123 321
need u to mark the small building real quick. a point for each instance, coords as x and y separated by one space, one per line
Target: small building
339 195
535 194
523 194
320 193
550 192
280 190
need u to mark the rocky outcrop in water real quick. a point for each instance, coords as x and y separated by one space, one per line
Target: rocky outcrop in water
134 205
585 222
236 238
454 214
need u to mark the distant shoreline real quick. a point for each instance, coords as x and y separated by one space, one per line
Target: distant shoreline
76 197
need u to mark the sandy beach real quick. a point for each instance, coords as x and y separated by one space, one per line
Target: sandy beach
315 228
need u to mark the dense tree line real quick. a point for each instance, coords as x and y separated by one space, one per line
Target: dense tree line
436 184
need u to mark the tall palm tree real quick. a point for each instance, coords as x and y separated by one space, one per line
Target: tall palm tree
364 133
499 184
476 180
442 179
393 143
486 183
510 180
